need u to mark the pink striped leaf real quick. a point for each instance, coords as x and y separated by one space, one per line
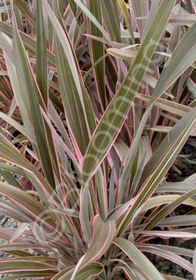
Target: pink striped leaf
180 251
137 257
169 234
170 256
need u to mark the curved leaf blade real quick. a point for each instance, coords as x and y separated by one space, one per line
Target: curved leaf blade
26 202
170 256
136 256
91 270
103 235
157 218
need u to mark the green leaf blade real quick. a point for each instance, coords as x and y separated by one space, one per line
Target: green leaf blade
41 59
98 51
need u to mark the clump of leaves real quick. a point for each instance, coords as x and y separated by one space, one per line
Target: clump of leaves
97 102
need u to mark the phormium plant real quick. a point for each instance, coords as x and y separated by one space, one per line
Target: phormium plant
97 101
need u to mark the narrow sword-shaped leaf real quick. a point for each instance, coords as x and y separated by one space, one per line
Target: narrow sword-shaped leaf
157 218
102 194
18 127
41 59
191 87
164 199
62 146
170 256
60 126
24 265
194 264
84 213
136 256
34 101
180 187
183 19
111 18
78 108
18 92
27 81
19 231
34 210
7 208
6 234
166 129
20 246
115 115
177 250
153 9
73 107
182 220
130 274
10 178
169 234
98 51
